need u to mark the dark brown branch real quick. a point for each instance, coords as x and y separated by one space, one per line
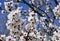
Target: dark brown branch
56 2
32 8
42 11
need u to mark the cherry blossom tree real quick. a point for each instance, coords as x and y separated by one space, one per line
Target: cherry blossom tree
40 26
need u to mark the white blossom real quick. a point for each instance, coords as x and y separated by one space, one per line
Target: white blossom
8 4
3 12
22 38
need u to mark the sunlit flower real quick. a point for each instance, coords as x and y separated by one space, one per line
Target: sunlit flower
13 39
22 38
9 38
3 12
3 37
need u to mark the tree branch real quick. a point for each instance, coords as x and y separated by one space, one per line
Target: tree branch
32 8
56 2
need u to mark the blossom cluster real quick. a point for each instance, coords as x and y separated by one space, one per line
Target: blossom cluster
56 11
